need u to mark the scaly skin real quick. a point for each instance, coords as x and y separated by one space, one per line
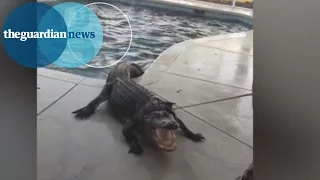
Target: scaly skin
134 106
125 70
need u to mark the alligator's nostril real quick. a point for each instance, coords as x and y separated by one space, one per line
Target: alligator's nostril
172 125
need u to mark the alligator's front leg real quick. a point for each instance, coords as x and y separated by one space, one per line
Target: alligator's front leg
87 111
189 134
131 138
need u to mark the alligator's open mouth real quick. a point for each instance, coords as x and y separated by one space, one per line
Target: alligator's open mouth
165 139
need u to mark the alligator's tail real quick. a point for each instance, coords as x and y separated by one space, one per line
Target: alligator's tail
126 70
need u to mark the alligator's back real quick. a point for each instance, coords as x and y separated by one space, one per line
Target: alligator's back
127 97
125 69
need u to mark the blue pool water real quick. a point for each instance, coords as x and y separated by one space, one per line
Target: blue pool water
154 30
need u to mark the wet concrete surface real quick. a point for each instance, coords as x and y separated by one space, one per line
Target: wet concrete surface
233 117
187 91
50 91
95 149
214 65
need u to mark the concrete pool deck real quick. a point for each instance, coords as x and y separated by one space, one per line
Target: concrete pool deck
205 77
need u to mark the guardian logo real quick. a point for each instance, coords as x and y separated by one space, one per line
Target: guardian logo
68 35
23 36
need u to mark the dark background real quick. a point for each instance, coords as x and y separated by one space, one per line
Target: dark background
18 107
285 96
286 89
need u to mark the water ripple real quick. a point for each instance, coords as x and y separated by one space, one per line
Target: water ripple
154 30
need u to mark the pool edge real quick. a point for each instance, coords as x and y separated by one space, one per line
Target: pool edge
244 15
213 10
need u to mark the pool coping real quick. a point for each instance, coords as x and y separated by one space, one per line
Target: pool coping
145 80
243 15
207 9
214 10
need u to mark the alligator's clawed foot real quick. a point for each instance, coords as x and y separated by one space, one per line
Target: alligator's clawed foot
187 132
135 148
196 137
83 113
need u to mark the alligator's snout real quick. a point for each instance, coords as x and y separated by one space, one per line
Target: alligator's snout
170 125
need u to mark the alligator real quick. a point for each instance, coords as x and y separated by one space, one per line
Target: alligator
138 110
248 174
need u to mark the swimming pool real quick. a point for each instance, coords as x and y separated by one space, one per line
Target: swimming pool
154 30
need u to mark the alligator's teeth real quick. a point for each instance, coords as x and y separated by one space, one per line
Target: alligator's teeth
158 132
163 135
173 138
167 142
